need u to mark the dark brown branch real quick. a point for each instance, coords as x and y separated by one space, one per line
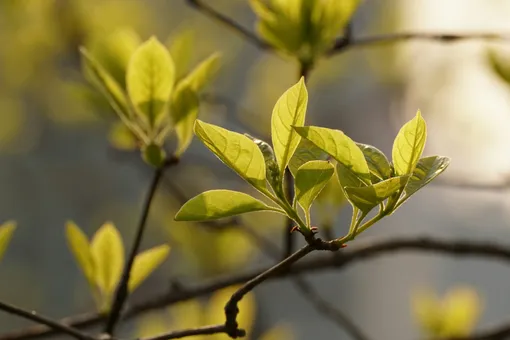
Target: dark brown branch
206 330
121 292
355 252
228 22
51 324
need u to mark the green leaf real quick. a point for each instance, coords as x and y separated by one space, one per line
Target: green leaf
289 111
367 197
145 263
311 178
108 254
184 111
409 144
198 78
105 83
80 248
150 80
215 204
272 172
305 152
6 231
235 150
352 166
181 48
153 155
426 170
378 164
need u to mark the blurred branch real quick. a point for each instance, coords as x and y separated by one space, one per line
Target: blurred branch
121 292
42 320
207 330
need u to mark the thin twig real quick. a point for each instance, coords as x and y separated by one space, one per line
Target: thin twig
206 330
52 324
121 292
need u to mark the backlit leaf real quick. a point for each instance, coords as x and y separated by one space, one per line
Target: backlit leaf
203 73
216 204
145 263
305 152
272 171
6 231
289 111
311 178
409 144
184 112
150 80
378 164
80 247
235 150
181 47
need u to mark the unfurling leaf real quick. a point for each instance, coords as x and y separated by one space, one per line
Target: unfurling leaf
352 167
272 171
408 145
80 247
235 150
6 231
153 155
184 112
150 79
108 254
202 74
311 178
378 164
215 204
305 152
289 111
367 197
145 263
425 171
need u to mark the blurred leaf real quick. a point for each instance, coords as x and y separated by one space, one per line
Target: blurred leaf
409 144
180 47
289 111
367 197
108 253
214 204
278 332
153 155
305 152
378 164
235 150
311 178
145 263
352 166
80 247
202 74
184 111
150 80
121 137
500 64
6 231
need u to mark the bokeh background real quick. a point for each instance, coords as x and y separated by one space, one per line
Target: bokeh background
58 162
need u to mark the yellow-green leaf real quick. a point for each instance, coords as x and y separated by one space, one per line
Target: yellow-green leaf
349 156
145 263
154 155
367 197
6 232
108 253
180 47
150 80
184 112
80 247
215 204
289 111
311 178
198 78
235 150
409 144
121 137
305 152
378 164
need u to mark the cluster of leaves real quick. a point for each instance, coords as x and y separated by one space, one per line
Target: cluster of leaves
140 82
305 29
453 316
195 313
364 173
102 261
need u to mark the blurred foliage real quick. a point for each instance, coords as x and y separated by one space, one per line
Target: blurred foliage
6 231
454 315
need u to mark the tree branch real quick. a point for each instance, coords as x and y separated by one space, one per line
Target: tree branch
121 292
207 330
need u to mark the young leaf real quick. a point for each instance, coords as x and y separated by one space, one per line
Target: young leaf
351 161
145 263
203 73
80 247
150 79
272 171
311 178
184 112
409 144
305 152
180 47
6 232
215 204
367 197
108 254
235 150
154 155
289 111
378 164
426 170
